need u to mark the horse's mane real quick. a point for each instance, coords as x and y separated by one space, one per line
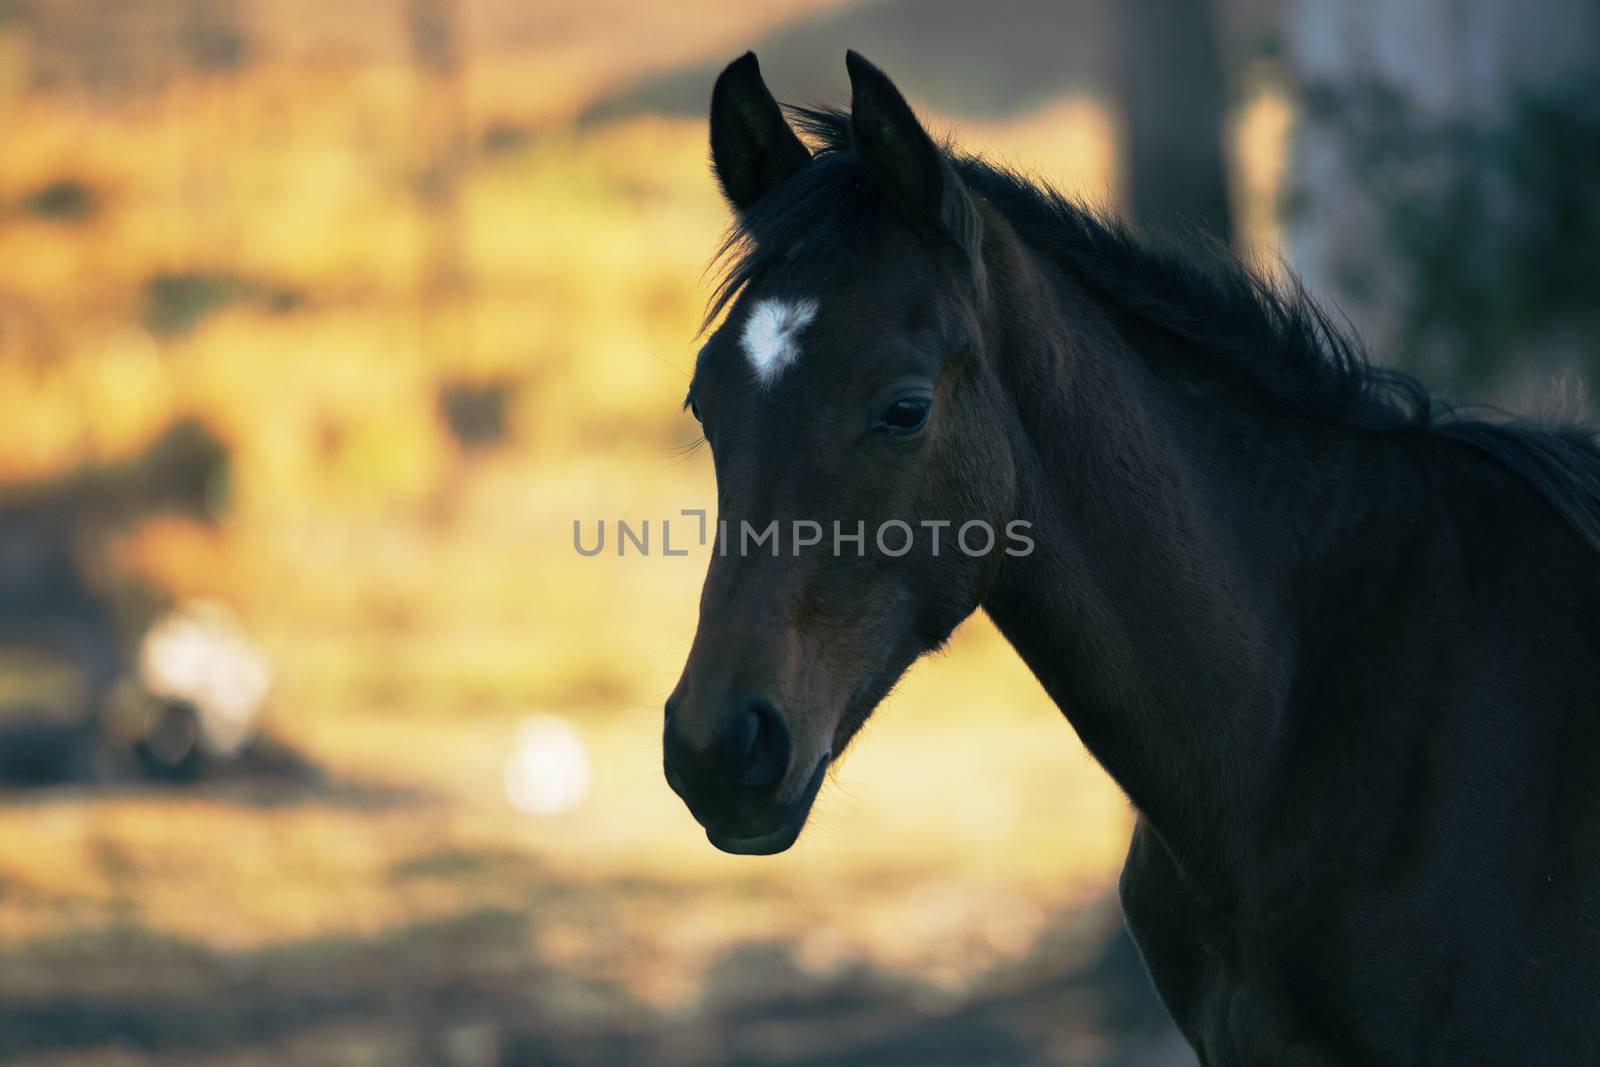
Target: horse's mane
1274 337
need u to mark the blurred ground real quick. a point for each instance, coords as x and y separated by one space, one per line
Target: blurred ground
438 318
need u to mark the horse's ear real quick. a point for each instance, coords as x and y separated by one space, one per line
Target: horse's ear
903 160
752 147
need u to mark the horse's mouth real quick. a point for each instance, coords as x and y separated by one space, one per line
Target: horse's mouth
788 830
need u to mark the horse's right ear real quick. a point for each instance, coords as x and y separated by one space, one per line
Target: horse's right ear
904 161
752 147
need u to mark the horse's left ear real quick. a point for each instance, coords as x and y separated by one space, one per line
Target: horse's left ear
752 147
904 161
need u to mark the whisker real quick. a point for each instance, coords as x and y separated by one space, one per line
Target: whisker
681 453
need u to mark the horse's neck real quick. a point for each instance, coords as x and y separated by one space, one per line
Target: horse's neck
1152 608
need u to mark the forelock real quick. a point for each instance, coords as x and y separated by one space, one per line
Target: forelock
821 216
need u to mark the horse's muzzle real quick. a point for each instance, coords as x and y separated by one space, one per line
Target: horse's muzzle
788 830
740 784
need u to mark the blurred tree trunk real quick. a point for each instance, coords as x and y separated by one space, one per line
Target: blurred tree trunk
1407 109
440 129
1173 97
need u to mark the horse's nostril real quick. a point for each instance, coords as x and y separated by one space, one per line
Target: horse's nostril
764 744
742 736
751 752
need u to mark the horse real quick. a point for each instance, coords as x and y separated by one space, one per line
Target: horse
1338 640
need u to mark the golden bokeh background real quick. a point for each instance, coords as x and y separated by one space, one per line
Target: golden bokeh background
439 306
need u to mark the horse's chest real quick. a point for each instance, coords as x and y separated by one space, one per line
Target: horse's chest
1223 988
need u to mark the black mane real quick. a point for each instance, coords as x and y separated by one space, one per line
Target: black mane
1277 338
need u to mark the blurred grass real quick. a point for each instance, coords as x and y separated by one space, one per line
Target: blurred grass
251 245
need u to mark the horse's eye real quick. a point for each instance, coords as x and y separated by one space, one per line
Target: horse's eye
907 414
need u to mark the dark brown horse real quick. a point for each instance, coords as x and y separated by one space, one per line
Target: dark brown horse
1339 643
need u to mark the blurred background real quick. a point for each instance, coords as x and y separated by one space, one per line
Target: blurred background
321 323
